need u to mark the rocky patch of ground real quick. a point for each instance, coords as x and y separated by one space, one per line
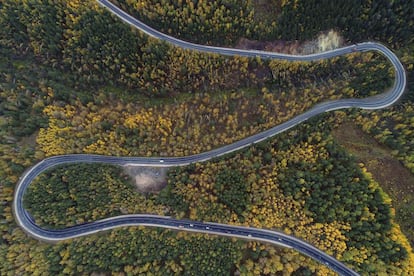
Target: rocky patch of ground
148 179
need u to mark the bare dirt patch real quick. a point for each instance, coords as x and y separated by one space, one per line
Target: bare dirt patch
279 46
395 179
148 179
325 41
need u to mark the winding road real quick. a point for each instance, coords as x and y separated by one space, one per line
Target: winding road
27 223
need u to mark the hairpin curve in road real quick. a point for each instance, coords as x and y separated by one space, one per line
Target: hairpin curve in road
27 223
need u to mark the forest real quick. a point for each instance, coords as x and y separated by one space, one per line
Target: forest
74 79
302 183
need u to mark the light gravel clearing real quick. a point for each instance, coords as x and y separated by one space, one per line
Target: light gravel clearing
148 179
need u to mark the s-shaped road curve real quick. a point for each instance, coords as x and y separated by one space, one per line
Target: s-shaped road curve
27 223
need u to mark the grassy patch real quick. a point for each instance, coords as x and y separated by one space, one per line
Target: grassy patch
396 180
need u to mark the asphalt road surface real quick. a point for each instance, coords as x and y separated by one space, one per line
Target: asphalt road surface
27 223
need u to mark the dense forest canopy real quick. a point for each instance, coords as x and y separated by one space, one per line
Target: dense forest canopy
75 79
